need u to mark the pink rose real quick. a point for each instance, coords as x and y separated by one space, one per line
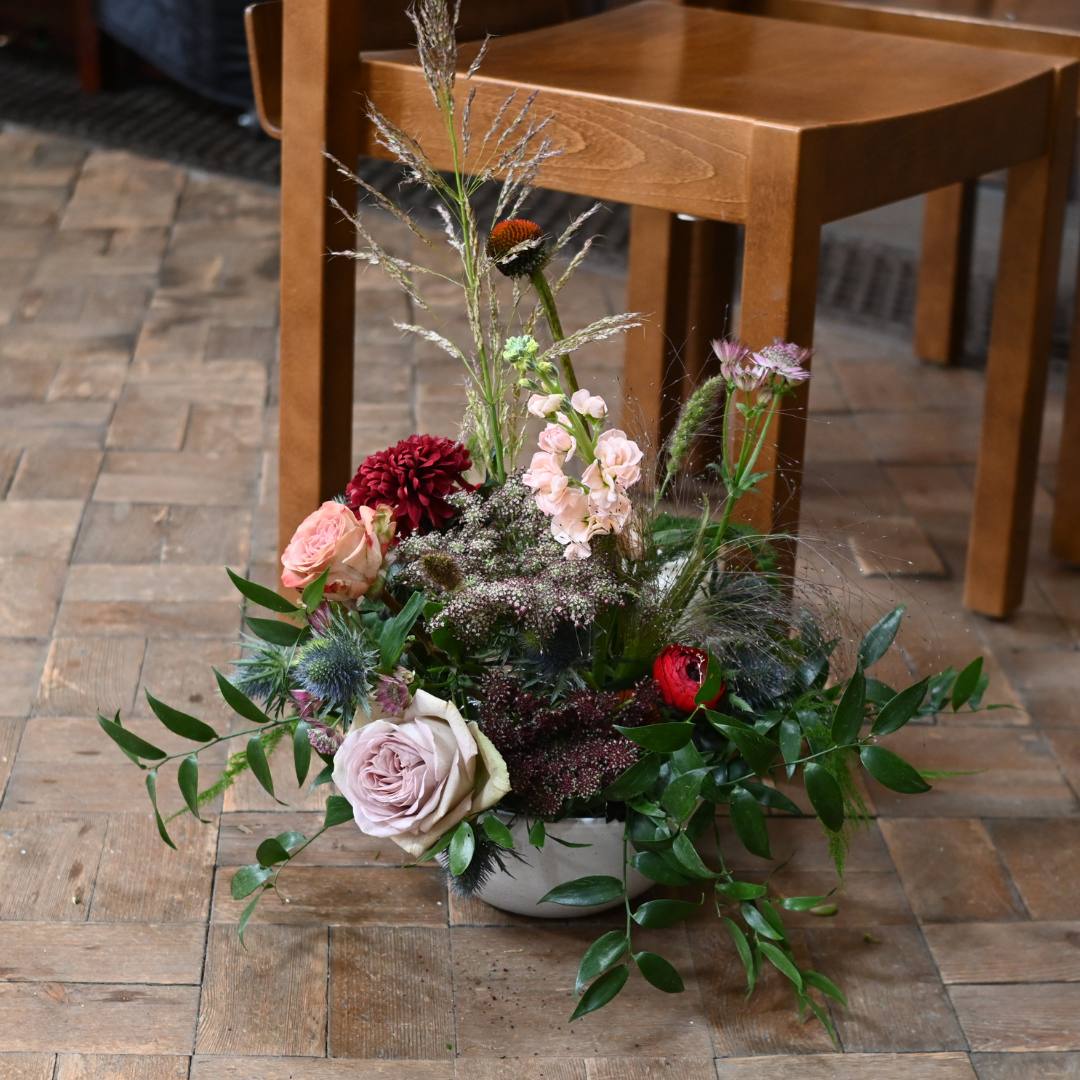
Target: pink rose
589 404
415 777
544 404
351 546
618 457
557 440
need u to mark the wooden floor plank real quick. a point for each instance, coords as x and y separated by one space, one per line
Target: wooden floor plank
897 1002
121 1067
1026 952
1041 1016
391 993
268 998
642 1068
11 729
143 880
357 896
27 1066
296 1068
152 953
1041 857
99 1019
519 1068
848 1067
1059 1066
242 832
767 1023
48 863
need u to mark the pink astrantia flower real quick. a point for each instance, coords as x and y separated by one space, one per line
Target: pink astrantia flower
785 360
738 367
415 777
588 404
352 547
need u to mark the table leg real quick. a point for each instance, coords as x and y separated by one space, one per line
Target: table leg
1065 538
1016 373
945 272
779 291
320 112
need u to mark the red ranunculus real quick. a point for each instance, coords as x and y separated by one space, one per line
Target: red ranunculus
414 477
679 671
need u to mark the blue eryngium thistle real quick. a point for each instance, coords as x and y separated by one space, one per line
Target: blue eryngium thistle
337 666
263 673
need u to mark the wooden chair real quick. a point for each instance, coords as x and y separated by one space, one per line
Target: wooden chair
1047 27
724 116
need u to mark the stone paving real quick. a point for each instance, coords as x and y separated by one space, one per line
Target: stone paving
137 457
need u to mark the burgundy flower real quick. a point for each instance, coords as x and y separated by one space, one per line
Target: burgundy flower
679 671
506 236
414 477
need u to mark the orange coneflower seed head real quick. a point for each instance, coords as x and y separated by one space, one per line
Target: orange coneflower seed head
506 236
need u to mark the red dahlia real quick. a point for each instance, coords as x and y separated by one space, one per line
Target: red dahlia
506 236
679 671
414 477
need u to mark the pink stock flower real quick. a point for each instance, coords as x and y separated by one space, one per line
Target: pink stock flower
618 457
414 778
543 405
352 547
555 439
552 486
588 404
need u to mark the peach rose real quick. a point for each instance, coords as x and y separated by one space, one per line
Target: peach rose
414 777
351 546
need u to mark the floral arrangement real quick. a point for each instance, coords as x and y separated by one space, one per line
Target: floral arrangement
466 644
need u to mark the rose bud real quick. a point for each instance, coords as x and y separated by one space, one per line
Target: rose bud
506 236
679 671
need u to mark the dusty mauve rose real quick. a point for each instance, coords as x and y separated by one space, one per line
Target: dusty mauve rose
414 777
351 546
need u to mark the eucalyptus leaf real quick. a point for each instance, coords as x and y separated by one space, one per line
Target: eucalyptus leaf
659 972
791 740
462 847
804 903
966 683
825 985
260 767
239 702
151 787
900 709
129 741
686 854
179 723
892 771
680 796
825 795
325 775
880 636
848 718
749 822
656 914
781 961
757 922
585 892
187 778
599 956
741 890
290 838
759 752
262 596
247 879
537 835
338 811
638 778
769 796
270 852
245 916
312 596
661 738
712 685
397 630
745 952
602 991
652 866
301 751
497 832
277 632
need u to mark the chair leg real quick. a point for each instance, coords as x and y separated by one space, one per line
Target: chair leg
1065 538
779 291
320 112
1016 372
945 272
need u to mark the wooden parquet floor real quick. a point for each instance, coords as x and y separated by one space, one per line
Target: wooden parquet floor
137 457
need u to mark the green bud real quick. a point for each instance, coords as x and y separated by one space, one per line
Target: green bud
520 351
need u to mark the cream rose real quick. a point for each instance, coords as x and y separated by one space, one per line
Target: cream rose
414 777
351 546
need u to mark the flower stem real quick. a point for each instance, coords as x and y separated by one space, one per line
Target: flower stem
547 301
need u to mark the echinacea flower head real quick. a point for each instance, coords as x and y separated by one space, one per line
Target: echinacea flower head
414 477
506 236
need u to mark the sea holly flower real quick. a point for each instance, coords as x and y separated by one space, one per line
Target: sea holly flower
414 478
506 236
588 404
679 672
414 778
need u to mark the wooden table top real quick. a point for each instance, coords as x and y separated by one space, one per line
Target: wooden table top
1056 14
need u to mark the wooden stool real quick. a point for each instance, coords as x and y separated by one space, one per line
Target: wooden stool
772 125
1049 27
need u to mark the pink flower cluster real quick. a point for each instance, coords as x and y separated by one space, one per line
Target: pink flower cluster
597 503
781 362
